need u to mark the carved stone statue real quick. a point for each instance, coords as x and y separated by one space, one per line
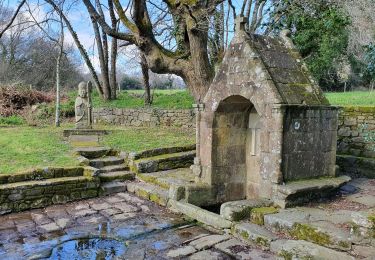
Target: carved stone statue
83 111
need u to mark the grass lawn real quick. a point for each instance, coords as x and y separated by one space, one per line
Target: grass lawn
24 148
142 138
355 98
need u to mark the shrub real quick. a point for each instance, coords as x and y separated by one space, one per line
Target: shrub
14 99
11 120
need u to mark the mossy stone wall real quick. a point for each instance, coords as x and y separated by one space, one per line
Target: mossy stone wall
356 132
145 117
44 187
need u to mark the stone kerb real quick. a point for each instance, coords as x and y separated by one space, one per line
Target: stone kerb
43 187
145 117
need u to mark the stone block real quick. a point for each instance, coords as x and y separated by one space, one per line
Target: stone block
254 233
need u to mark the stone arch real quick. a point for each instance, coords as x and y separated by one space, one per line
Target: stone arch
230 140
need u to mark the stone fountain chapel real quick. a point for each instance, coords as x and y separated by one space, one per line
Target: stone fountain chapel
265 124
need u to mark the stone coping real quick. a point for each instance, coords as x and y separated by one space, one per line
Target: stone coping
160 151
46 173
69 132
43 187
366 109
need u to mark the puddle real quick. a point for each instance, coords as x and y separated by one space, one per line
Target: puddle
89 248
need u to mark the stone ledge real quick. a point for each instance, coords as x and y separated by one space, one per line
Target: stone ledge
201 215
299 192
69 132
56 185
356 167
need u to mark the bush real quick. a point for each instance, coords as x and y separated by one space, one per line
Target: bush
11 120
128 82
14 99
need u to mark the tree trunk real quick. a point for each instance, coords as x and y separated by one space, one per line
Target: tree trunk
200 73
114 47
80 47
58 70
146 81
58 66
113 72
103 68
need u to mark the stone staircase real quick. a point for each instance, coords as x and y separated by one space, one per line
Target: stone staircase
161 159
112 170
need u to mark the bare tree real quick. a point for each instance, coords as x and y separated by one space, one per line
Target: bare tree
79 45
59 41
190 59
13 18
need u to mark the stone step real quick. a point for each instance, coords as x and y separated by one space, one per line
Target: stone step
113 168
299 249
116 176
202 215
160 151
93 152
106 161
150 192
165 179
111 187
241 209
299 192
255 234
314 225
163 162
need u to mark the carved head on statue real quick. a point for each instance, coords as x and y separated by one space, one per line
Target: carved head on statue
82 89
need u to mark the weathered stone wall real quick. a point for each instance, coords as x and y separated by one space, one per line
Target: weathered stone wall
356 125
44 187
145 117
309 145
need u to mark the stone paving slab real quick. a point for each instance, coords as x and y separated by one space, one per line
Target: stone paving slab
141 229
300 249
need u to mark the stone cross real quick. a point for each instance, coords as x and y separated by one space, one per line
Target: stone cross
83 106
240 23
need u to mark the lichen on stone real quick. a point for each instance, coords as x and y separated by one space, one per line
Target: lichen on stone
309 233
257 214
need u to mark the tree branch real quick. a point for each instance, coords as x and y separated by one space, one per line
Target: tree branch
13 17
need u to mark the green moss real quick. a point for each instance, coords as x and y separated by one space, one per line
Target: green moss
262 242
153 180
243 214
143 194
257 214
287 255
371 218
245 235
309 233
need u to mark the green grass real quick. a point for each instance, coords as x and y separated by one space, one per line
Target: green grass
24 148
355 98
139 139
11 120
176 99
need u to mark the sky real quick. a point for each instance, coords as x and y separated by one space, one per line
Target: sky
80 20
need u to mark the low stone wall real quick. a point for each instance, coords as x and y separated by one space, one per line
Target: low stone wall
356 167
145 117
44 187
356 126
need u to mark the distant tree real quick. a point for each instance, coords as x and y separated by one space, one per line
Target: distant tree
320 32
27 56
370 69
128 82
